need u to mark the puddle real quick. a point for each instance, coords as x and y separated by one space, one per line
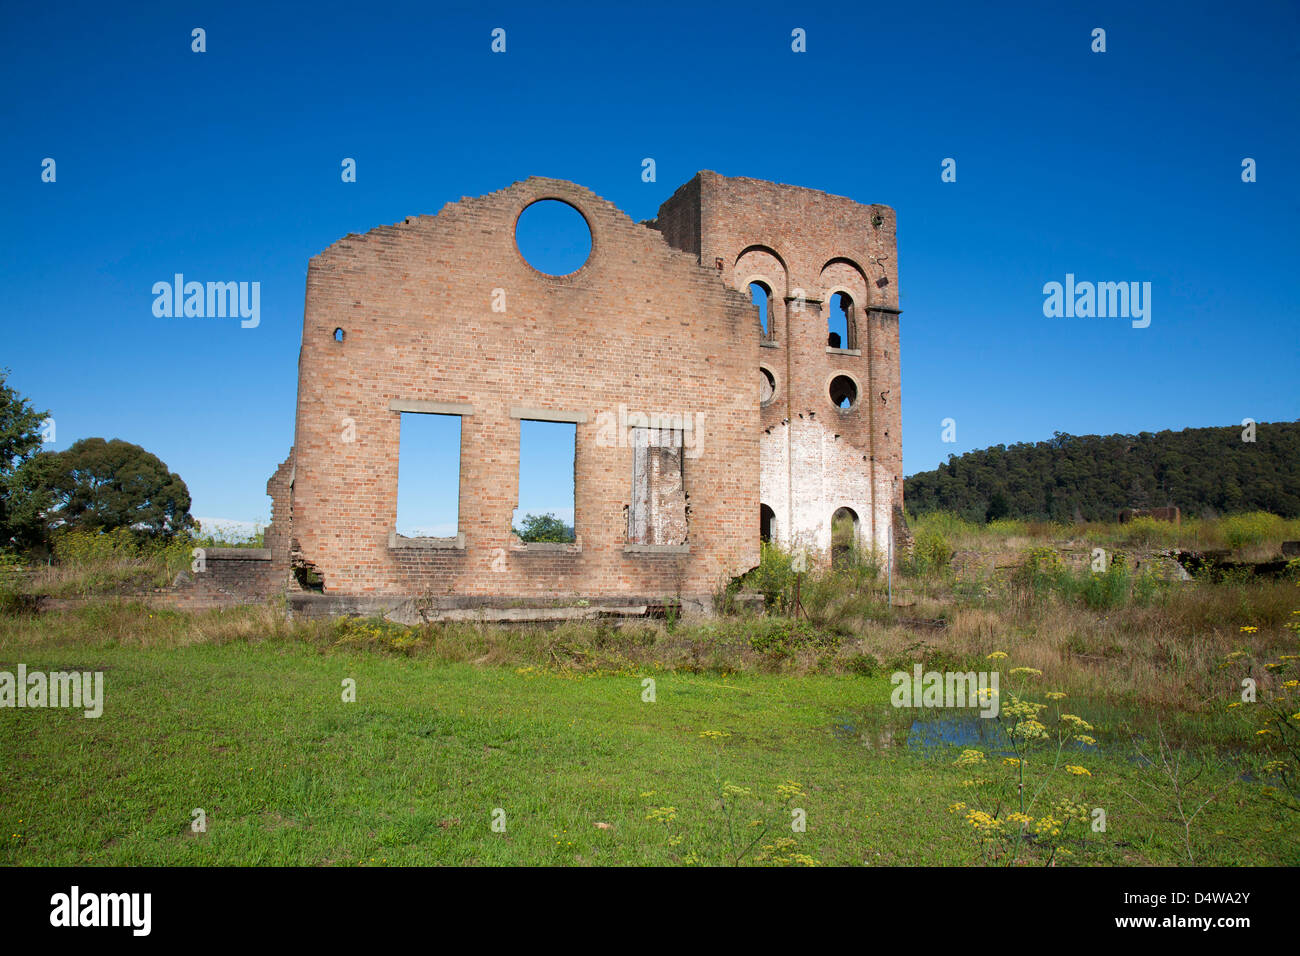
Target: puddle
930 735
958 731
966 730
940 733
874 736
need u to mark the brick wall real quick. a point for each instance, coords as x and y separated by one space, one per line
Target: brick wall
657 321
806 246
640 325
277 537
230 576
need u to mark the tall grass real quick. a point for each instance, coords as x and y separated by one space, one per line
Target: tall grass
1253 530
1117 632
84 563
835 596
1257 528
1042 574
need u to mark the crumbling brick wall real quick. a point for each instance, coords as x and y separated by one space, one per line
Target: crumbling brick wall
1169 513
226 577
656 325
806 246
641 328
276 539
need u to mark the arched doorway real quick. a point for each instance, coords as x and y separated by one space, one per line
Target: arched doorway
766 520
844 537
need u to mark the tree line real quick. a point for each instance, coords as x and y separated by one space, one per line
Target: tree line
1202 471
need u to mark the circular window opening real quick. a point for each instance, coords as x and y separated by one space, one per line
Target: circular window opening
766 386
844 392
553 237
338 335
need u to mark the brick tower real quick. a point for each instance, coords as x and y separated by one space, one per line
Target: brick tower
830 406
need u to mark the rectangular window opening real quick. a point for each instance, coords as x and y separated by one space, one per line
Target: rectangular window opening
547 461
428 475
657 515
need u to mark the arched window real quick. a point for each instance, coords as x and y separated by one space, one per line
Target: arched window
766 523
761 295
841 322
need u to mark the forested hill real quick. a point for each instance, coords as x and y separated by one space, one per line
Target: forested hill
1092 477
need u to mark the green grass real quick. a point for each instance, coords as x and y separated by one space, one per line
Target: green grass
255 732
1258 530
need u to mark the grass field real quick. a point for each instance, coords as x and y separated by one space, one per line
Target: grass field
241 714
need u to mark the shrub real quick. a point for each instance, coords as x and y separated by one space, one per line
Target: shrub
724 595
81 549
1042 574
1144 532
785 635
1039 573
950 526
931 552
376 633
1102 590
1257 527
773 578
839 599
122 560
864 665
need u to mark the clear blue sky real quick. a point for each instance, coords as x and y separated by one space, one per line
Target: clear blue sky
1121 166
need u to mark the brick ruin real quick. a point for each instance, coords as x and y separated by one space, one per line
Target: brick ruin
1169 513
698 431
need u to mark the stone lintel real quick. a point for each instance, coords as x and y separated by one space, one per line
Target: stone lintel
457 543
546 415
429 408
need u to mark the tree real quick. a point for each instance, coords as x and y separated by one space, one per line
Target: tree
545 527
998 507
20 438
1137 495
99 485
30 501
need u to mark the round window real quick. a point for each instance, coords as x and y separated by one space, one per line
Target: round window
553 237
844 392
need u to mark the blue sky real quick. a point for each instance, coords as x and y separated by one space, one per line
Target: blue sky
1115 166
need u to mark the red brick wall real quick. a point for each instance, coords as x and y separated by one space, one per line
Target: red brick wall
649 323
230 576
641 325
800 239
277 538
